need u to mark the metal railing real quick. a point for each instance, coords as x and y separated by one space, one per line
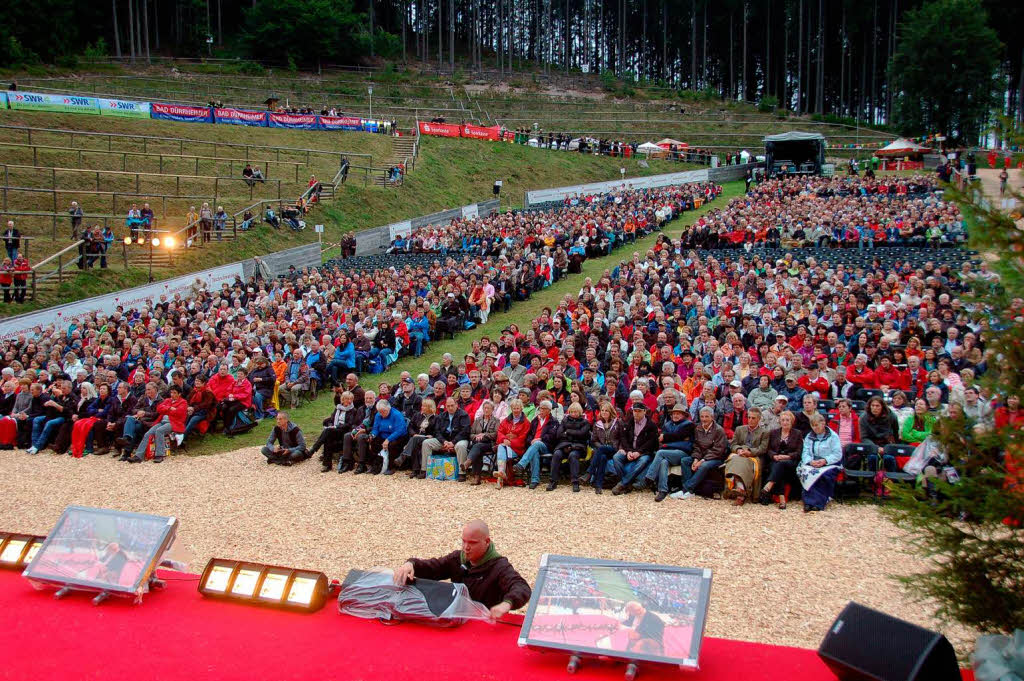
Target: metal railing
36 148
182 141
64 260
137 175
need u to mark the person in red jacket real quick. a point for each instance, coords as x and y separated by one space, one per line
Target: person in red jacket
172 413
1011 414
813 382
844 422
861 375
6 278
238 398
512 433
220 383
21 271
890 378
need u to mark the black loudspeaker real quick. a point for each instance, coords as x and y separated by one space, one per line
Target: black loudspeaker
867 645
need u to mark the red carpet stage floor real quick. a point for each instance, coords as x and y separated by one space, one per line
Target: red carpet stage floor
176 633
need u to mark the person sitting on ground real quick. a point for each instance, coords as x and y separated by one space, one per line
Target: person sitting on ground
819 464
488 576
247 174
173 412
270 217
285 445
710 446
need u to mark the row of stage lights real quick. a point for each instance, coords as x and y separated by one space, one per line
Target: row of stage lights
247 582
167 241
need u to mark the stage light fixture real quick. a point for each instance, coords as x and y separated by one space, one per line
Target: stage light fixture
18 550
258 583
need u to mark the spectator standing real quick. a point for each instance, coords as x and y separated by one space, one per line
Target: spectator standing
6 278
220 221
206 222
76 214
21 271
12 240
192 222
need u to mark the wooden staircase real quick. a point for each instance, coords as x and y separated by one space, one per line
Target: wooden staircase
403 149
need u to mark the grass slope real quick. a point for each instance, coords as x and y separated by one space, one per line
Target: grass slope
310 414
448 173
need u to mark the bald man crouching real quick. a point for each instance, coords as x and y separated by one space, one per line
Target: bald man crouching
488 576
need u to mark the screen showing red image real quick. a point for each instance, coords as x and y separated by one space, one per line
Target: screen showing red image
101 549
630 611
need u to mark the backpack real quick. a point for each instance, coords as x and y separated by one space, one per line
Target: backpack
244 421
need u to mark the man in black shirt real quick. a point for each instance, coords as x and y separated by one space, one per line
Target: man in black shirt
646 630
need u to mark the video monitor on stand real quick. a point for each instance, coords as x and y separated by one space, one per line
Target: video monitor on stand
110 553
634 612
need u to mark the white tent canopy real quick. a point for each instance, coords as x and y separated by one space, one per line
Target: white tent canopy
903 147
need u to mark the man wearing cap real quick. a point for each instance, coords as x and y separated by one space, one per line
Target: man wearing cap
405 399
770 417
676 442
813 382
637 445
793 392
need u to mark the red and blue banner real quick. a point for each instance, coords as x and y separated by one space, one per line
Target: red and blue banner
181 112
241 117
285 120
340 123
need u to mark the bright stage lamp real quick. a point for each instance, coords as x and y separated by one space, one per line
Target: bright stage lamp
142 240
18 550
156 241
257 583
169 242
127 241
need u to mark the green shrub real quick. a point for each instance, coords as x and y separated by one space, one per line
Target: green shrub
768 104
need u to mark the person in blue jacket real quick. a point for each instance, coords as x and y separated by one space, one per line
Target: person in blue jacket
344 359
419 330
388 435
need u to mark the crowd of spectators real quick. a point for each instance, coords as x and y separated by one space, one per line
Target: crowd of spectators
253 346
760 372
753 375
584 226
841 212
602 146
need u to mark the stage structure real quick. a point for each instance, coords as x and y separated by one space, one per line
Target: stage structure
794 153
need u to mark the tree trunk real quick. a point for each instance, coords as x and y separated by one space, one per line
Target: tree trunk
156 23
784 81
145 26
371 23
131 29
800 62
451 34
117 31
732 62
693 41
821 57
874 62
744 93
767 85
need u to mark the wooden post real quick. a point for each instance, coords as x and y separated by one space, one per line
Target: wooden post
33 284
97 180
136 183
35 156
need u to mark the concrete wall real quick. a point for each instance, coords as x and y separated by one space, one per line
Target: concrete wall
278 263
557 193
375 240
730 173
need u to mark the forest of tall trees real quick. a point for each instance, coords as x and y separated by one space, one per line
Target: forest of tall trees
817 56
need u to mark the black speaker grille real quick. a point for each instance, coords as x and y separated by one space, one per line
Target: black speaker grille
865 644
